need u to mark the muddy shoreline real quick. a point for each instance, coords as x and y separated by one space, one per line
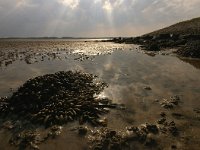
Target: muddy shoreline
185 45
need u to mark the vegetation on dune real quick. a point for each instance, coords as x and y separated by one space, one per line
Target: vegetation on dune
190 49
186 27
184 36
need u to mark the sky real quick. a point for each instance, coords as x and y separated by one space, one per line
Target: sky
91 18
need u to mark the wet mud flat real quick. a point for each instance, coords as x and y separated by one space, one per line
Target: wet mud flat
96 95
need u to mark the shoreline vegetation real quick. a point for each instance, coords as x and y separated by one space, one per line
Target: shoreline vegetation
183 36
59 38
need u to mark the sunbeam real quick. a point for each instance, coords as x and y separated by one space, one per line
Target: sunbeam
108 9
66 6
70 3
91 17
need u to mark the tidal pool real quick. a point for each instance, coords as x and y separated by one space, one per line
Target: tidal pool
135 79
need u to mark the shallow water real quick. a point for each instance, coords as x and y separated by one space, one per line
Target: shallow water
124 67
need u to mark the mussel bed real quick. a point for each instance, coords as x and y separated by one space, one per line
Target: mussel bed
59 98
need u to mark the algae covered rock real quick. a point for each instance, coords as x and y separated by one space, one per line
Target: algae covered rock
59 98
190 49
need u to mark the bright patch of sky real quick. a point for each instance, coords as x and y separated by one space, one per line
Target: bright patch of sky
83 18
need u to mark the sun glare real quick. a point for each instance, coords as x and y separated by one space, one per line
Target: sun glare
107 6
20 3
70 3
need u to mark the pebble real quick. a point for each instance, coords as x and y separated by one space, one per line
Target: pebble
147 88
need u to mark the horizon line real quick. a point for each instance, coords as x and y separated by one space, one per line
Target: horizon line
70 37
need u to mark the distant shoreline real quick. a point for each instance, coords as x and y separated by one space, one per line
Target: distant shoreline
57 38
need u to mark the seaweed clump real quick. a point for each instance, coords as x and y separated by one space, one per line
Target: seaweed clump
59 98
190 49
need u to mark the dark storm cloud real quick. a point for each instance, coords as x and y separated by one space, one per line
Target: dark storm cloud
91 17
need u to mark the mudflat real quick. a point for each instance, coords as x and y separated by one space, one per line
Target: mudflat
59 94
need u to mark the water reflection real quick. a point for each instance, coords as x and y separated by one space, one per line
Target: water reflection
124 70
194 62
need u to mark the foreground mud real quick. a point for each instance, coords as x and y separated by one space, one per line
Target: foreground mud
55 99
39 110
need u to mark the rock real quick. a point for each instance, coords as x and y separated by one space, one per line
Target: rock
152 54
197 110
103 122
26 139
175 99
152 128
34 146
147 88
190 49
174 147
150 142
161 121
167 104
162 114
141 132
177 115
170 103
112 133
104 138
4 105
54 131
55 99
130 135
8 125
163 129
82 131
153 47
173 130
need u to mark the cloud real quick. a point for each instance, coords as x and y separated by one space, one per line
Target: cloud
107 6
165 10
70 3
91 17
